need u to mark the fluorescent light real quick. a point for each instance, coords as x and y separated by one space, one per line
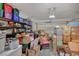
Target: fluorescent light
57 26
52 12
52 16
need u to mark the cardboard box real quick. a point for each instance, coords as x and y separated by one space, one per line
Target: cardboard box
37 50
66 30
66 39
66 49
31 52
75 33
75 27
77 41
74 48
75 37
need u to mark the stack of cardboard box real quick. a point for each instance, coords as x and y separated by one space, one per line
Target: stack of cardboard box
66 38
66 34
74 48
71 38
75 33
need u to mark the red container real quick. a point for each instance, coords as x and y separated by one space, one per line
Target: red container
7 8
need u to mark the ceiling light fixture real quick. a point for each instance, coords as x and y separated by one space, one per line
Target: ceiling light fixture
52 12
57 26
52 16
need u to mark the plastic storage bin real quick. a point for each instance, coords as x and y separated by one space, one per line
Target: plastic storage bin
2 40
14 44
2 44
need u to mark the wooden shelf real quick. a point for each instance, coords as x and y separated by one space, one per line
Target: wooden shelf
11 27
5 19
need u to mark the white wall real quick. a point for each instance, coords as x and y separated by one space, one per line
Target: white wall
37 24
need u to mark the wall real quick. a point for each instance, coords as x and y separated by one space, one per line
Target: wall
40 24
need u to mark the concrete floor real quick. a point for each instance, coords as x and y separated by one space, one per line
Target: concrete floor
46 52
49 51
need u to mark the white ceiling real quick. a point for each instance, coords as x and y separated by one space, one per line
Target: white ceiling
39 11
